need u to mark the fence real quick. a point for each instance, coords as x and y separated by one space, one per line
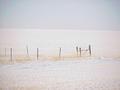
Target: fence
11 54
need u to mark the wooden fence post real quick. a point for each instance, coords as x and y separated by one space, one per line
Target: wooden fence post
11 52
90 50
80 51
37 53
77 50
27 51
59 52
5 51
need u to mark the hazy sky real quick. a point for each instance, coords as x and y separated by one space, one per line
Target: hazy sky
60 18
60 14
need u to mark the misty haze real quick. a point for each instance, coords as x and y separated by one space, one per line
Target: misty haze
59 45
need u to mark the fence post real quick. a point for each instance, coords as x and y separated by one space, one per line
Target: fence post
27 51
11 52
37 53
80 51
77 50
90 50
5 51
59 52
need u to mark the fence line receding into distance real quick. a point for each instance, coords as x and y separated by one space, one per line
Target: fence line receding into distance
79 52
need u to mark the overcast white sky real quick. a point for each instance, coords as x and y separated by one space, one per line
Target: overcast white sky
64 22
60 14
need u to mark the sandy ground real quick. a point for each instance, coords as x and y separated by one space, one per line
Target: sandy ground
91 74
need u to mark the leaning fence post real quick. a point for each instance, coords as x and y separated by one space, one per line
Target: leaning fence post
11 52
90 50
37 53
59 52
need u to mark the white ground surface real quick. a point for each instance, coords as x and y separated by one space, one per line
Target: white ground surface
93 74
